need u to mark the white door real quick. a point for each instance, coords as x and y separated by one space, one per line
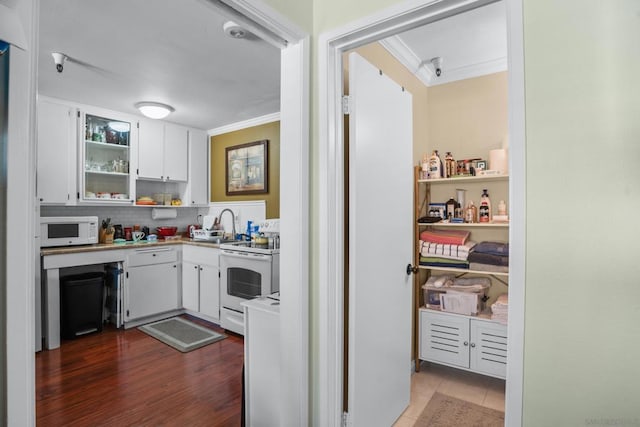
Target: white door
380 242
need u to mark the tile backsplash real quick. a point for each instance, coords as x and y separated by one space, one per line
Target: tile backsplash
128 215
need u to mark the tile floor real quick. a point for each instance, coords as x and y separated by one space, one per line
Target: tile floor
475 388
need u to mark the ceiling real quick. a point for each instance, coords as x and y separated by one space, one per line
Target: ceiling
470 44
126 51
123 51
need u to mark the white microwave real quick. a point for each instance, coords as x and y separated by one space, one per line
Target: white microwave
68 230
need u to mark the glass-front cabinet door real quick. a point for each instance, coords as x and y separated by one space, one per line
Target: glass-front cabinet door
106 159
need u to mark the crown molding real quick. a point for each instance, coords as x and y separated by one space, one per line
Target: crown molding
257 121
399 50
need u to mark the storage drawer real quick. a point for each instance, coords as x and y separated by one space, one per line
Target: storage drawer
152 256
200 255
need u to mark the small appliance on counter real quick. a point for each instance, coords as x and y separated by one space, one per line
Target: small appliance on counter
68 230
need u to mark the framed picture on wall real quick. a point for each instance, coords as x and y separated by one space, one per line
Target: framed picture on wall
247 168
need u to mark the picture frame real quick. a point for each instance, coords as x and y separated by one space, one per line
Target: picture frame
247 168
481 165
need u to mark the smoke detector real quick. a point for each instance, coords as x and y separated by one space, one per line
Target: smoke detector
234 30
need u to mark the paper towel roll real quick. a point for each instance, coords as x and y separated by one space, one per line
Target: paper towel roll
166 213
499 160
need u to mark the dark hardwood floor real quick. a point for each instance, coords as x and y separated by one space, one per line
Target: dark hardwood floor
127 378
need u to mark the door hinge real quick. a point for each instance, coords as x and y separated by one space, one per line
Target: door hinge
219 275
127 275
346 104
78 113
78 195
138 125
127 313
68 196
137 171
346 421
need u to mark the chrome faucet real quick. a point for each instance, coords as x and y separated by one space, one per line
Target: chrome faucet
233 221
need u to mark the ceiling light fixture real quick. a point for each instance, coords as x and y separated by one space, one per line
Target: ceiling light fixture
234 30
154 110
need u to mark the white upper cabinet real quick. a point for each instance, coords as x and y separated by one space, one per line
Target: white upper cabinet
56 153
198 167
162 151
105 156
151 149
176 149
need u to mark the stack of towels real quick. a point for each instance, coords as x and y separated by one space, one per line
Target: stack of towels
500 308
446 248
490 256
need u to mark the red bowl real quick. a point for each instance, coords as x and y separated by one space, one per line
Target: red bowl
166 231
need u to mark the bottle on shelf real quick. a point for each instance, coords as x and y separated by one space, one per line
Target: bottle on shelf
502 208
484 213
450 165
435 166
471 213
424 174
451 208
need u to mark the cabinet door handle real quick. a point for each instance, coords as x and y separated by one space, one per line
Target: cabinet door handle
466 343
195 266
175 266
153 254
200 268
473 345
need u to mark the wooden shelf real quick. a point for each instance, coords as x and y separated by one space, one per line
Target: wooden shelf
453 180
464 271
466 224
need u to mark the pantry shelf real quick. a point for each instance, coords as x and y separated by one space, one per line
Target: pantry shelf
466 224
464 271
480 178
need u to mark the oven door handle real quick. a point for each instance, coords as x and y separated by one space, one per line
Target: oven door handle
245 255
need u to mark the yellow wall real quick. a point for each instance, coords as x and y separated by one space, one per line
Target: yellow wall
270 131
468 117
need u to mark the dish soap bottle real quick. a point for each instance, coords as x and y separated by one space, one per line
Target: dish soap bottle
435 165
484 213
471 213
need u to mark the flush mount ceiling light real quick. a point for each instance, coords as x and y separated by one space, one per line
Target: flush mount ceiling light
154 110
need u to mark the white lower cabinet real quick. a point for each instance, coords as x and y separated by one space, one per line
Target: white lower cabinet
201 281
151 283
470 343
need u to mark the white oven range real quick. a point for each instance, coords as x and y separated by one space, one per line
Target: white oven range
247 271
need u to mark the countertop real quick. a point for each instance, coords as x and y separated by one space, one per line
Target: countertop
61 250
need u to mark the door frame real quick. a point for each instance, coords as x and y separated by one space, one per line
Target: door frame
22 212
332 45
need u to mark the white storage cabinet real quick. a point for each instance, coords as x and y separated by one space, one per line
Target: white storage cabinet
469 343
198 168
151 283
162 151
201 281
56 153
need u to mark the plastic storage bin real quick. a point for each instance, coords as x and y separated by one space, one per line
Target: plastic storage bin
81 299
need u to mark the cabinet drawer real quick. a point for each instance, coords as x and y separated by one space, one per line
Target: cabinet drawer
200 255
152 256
